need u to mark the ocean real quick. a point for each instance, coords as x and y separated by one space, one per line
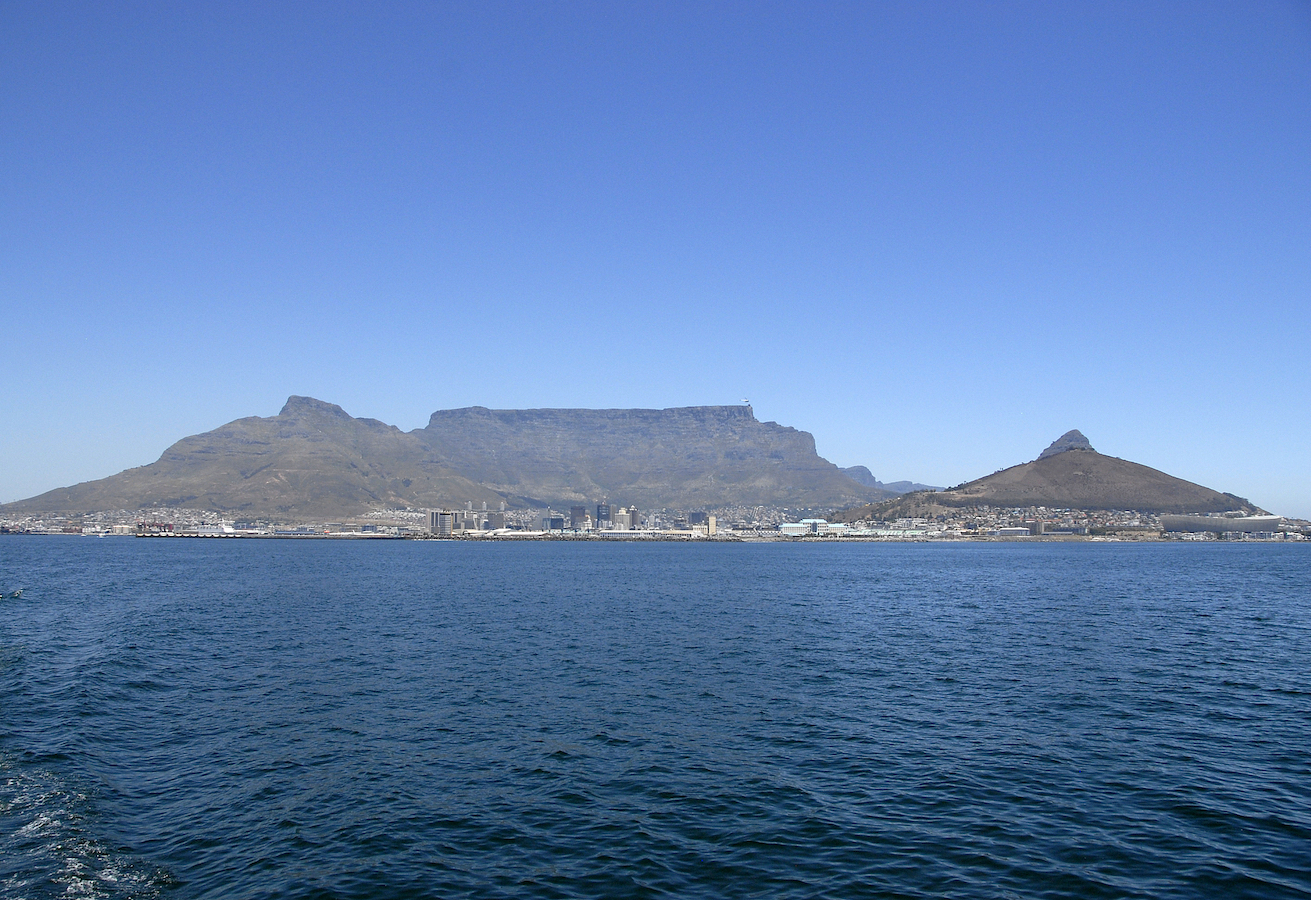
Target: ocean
316 719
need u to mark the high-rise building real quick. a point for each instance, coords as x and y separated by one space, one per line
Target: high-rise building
577 517
602 515
441 523
634 520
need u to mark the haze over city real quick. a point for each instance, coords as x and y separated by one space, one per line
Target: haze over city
936 236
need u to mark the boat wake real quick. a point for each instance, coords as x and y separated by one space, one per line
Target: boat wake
47 846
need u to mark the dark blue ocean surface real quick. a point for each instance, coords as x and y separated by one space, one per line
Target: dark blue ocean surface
220 719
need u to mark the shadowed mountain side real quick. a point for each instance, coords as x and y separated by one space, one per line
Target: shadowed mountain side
311 460
1068 479
682 458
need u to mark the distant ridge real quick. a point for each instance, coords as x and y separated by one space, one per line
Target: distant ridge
1069 474
314 460
864 476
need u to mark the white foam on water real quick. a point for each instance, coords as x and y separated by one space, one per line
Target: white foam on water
46 845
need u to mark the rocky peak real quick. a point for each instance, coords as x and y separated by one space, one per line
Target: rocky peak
296 407
1071 440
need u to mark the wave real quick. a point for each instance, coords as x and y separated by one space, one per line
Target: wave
48 843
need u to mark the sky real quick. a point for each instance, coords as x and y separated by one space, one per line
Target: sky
934 235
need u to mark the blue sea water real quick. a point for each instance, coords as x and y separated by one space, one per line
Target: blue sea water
219 719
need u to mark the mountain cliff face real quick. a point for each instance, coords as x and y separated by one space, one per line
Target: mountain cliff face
680 458
313 460
1071 440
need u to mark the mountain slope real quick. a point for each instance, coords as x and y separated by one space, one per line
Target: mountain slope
1085 479
681 458
1069 474
310 460
313 460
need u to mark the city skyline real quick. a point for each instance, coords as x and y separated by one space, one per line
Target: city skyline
935 237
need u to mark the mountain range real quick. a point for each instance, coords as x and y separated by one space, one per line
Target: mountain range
314 460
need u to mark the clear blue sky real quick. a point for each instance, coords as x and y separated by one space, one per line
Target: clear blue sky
935 235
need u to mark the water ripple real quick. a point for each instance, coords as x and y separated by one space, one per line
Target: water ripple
270 719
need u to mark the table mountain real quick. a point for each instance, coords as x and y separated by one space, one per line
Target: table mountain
680 458
313 460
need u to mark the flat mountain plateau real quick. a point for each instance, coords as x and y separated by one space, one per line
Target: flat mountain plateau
315 461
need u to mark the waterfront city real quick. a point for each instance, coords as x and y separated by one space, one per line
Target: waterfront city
604 521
